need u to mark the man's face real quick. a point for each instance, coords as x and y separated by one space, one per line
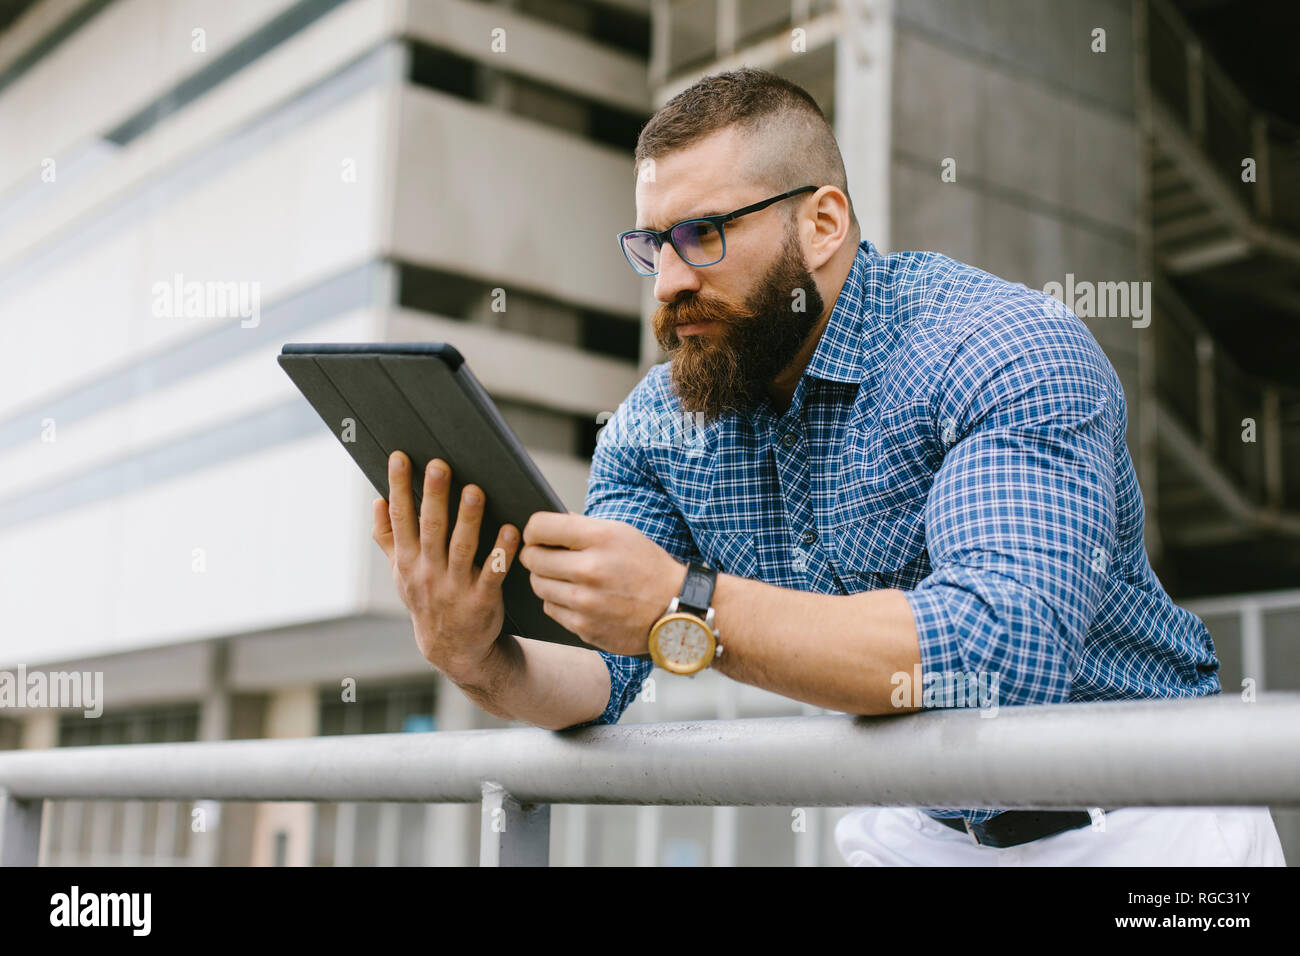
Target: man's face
732 327
728 353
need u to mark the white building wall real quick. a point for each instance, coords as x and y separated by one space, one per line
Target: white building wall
188 491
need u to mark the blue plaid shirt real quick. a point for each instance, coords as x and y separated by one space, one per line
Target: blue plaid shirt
955 436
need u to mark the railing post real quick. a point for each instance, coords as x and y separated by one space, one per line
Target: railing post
20 830
1263 187
1195 92
1271 440
1252 644
1206 402
513 833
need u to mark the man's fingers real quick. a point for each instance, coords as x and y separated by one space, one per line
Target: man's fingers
433 512
559 593
502 557
383 527
464 537
569 530
401 507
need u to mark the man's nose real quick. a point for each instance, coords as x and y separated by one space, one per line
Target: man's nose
674 276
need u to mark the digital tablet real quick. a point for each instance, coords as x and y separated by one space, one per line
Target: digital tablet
421 398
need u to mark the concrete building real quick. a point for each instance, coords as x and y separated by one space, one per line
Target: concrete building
188 184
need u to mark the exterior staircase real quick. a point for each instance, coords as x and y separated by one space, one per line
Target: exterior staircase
1223 220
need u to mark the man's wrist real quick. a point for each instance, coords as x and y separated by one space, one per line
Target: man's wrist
677 579
486 678
726 619
673 582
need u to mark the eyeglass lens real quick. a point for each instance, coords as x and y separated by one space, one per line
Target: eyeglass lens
699 243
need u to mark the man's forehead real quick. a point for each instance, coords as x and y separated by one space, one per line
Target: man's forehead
698 180
660 204
660 216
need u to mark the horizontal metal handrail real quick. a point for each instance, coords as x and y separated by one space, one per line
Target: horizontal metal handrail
1181 752
1148 752
1233 603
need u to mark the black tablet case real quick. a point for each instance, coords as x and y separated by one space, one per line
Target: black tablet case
422 399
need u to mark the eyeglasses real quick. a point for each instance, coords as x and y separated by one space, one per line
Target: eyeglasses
699 242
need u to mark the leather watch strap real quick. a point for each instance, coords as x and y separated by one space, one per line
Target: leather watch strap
697 589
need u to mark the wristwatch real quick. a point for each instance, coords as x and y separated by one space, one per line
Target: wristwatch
684 640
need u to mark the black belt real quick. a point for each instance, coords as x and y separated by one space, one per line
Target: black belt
1014 827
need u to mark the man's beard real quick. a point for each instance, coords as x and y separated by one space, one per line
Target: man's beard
729 368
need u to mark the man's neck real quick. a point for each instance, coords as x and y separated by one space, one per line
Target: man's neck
781 389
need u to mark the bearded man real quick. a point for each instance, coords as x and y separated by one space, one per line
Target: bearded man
904 466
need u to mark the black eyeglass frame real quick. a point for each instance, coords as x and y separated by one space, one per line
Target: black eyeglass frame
716 221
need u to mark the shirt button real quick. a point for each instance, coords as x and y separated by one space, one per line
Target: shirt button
809 537
789 439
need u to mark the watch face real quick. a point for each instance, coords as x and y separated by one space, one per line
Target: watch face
682 643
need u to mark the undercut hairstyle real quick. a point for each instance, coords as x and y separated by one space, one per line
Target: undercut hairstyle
790 144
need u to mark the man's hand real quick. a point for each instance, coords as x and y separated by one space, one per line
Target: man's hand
602 579
456 606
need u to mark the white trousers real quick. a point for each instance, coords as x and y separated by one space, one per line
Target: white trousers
1129 836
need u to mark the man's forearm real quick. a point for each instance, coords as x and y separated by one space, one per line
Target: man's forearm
834 651
548 685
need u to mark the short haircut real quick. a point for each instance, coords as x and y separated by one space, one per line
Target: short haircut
791 143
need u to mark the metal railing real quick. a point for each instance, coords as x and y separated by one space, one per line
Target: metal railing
1201 752
1221 120
1217 403
1260 618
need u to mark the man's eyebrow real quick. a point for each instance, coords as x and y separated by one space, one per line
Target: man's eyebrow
713 211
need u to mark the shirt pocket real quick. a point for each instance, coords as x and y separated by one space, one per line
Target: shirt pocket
887 463
884 547
729 550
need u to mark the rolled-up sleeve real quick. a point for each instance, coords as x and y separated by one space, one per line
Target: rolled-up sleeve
622 486
1020 520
